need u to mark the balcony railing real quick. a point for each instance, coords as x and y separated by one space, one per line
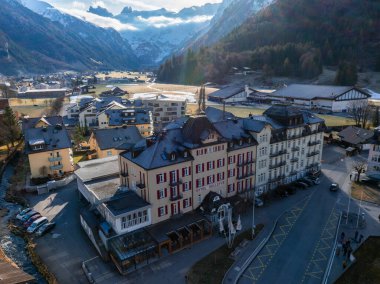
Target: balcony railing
313 143
294 160
279 153
314 153
295 149
246 162
246 175
175 182
283 163
141 185
277 178
56 167
176 197
55 159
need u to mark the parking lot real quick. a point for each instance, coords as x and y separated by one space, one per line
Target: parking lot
66 246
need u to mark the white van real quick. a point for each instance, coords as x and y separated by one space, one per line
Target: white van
36 224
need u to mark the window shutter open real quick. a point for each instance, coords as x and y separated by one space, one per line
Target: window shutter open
159 212
164 177
158 178
190 201
158 194
166 192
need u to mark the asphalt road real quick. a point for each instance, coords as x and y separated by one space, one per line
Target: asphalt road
299 249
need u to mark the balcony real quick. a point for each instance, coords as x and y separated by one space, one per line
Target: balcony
312 165
283 163
279 153
313 143
279 178
141 185
124 174
243 163
55 159
175 183
246 175
176 197
294 160
311 154
56 167
295 149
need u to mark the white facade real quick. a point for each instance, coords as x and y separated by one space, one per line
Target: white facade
374 158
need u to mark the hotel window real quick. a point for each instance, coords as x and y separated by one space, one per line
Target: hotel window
230 160
240 158
199 182
210 179
161 178
230 188
186 171
199 168
187 203
186 186
220 163
161 193
162 211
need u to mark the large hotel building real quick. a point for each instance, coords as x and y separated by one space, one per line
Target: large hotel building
195 165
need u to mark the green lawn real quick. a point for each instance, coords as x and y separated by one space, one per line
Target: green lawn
366 269
212 268
371 193
244 111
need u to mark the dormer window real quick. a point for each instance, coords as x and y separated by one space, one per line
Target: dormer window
231 144
241 142
172 156
185 154
249 140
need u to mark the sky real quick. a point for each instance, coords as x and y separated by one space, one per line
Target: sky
115 6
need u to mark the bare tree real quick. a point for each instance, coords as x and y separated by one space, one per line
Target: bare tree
359 167
361 111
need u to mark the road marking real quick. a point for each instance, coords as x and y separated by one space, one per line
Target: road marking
321 253
260 263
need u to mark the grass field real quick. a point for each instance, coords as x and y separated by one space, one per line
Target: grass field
366 269
32 111
371 193
330 120
212 268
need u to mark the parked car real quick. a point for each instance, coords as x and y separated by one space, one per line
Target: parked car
291 189
300 184
281 191
316 180
307 181
31 220
334 187
23 213
28 215
258 202
36 224
45 228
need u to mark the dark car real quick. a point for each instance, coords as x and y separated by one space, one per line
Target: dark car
291 189
300 184
31 220
45 229
334 187
307 181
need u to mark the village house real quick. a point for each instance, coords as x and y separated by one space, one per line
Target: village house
49 151
112 141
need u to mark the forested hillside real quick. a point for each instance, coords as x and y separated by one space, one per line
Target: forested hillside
289 37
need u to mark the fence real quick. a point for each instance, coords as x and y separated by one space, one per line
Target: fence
51 185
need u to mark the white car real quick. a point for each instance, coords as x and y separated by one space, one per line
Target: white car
37 224
22 213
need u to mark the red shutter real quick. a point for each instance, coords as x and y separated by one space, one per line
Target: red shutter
224 162
203 181
223 176
213 164
183 203
234 172
177 175
164 177
190 201
172 208
190 185
234 158
183 172
208 166
166 209
217 177
158 178
158 194
166 192
189 170
159 212
179 206
203 167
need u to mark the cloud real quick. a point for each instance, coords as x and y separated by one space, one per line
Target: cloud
162 22
79 5
98 4
100 21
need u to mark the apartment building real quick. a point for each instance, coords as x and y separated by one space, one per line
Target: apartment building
49 151
165 109
373 167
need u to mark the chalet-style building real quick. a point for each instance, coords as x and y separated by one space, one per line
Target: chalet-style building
327 98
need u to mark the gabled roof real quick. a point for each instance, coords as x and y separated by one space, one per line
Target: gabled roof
303 91
227 92
214 115
197 129
49 120
356 135
53 138
123 138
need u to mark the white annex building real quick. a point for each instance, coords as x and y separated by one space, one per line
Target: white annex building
329 98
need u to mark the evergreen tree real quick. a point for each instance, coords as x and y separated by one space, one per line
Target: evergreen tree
11 130
347 74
